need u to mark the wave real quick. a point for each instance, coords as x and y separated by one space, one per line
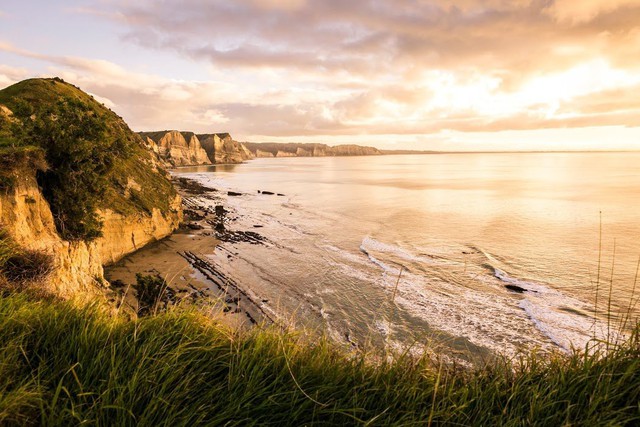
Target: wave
560 317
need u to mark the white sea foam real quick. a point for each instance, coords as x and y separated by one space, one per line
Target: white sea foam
547 309
370 244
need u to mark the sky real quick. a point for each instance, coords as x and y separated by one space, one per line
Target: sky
396 74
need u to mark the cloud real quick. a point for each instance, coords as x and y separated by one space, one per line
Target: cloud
300 68
586 10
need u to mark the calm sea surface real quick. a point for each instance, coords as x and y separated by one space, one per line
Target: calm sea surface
406 249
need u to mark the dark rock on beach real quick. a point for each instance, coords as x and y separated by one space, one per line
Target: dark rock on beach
515 288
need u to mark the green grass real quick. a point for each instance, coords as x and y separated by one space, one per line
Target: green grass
64 365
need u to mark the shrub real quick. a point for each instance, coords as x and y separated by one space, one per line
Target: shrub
81 154
19 161
152 294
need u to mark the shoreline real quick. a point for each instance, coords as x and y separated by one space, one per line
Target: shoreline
184 259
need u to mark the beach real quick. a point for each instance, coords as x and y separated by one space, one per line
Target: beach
474 254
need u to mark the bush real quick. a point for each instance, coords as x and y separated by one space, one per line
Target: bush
81 154
152 294
19 161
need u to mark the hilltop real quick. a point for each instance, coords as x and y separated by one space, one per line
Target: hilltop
76 182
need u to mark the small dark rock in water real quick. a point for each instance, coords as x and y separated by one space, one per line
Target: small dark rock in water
280 194
259 191
268 193
257 226
233 193
220 210
515 288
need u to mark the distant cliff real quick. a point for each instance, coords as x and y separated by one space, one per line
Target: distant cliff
177 148
222 148
275 149
188 149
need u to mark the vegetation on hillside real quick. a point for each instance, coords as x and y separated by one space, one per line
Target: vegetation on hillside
91 153
20 268
63 365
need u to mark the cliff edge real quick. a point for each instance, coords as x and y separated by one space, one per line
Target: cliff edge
77 184
175 148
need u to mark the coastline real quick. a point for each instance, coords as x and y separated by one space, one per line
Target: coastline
183 259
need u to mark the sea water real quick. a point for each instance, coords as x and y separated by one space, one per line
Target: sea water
412 250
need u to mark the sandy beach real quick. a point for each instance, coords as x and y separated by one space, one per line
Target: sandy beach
182 259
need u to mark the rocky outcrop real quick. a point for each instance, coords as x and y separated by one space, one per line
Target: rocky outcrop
354 150
222 148
177 148
285 154
260 153
301 152
78 266
272 149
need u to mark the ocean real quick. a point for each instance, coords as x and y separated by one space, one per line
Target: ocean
478 253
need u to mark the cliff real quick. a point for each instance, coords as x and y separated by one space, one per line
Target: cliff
177 148
188 149
222 148
274 149
77 184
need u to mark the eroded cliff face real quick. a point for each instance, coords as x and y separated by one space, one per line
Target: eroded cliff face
274 149
354 150
260 154
222 148
78 265
177 148
124 234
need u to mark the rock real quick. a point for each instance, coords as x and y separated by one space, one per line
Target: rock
222 148
515 288
177 148
268 193
233 193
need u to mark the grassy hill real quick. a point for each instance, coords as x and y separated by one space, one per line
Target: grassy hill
93 160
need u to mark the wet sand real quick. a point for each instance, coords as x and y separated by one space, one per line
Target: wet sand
182 259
